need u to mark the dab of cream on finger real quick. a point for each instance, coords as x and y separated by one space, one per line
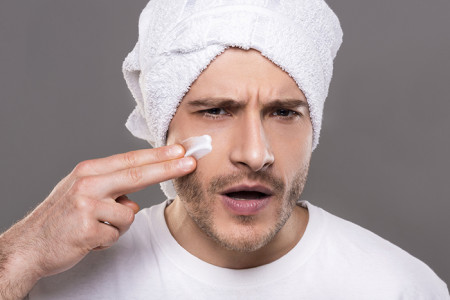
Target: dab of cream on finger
197 146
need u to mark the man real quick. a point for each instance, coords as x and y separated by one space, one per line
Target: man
236 227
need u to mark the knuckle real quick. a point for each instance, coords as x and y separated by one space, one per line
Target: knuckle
171 167
82 168
85 205
88 229
108 238
128 216
159 154
114 237
130 159
135 175
83 184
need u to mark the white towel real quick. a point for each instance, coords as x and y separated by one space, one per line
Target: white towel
179 38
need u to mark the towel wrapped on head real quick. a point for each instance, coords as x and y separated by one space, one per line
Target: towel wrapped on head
178 39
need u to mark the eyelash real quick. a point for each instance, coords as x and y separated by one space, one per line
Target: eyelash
292 114
207 113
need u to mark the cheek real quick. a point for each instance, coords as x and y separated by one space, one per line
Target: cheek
172 134
293 152
181 127
215 162
185 125
291 149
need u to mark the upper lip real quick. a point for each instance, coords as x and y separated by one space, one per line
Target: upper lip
250 188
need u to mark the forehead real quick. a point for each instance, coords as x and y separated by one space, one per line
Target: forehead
238 73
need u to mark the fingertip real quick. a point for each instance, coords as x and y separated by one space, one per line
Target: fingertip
188 164
175 150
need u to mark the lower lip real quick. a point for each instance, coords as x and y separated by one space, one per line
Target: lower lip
245 207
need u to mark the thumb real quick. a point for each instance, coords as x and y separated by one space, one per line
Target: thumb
124 200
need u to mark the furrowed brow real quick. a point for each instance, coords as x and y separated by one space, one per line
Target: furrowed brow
287 103
215 102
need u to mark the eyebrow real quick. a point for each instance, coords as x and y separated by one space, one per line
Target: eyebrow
287 103
226 103
232 103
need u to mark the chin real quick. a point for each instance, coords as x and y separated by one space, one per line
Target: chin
246 233
247 240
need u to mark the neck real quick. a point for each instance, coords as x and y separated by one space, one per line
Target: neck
195 241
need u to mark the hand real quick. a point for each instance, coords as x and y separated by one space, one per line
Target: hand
71 221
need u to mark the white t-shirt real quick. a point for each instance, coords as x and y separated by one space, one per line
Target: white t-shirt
335 259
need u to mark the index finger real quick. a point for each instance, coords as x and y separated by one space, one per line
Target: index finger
129 160
112 185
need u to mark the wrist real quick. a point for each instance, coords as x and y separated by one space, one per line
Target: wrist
18 275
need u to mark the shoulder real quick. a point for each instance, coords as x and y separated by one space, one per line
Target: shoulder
375 259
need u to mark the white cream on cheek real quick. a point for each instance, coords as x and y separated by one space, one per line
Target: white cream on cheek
197 146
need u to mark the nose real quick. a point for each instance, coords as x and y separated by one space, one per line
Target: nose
251 148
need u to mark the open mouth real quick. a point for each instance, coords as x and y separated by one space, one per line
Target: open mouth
247 195
246 199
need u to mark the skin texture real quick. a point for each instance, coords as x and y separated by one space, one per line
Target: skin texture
258 137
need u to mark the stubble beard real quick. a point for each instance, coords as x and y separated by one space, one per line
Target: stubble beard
199 206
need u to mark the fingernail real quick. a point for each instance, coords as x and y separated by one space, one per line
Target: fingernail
186 163
175 150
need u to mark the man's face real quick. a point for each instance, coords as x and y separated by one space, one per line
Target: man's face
245 190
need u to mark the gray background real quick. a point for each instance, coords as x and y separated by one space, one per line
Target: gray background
383 161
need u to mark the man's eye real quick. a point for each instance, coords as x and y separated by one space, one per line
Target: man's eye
215 111
285 113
